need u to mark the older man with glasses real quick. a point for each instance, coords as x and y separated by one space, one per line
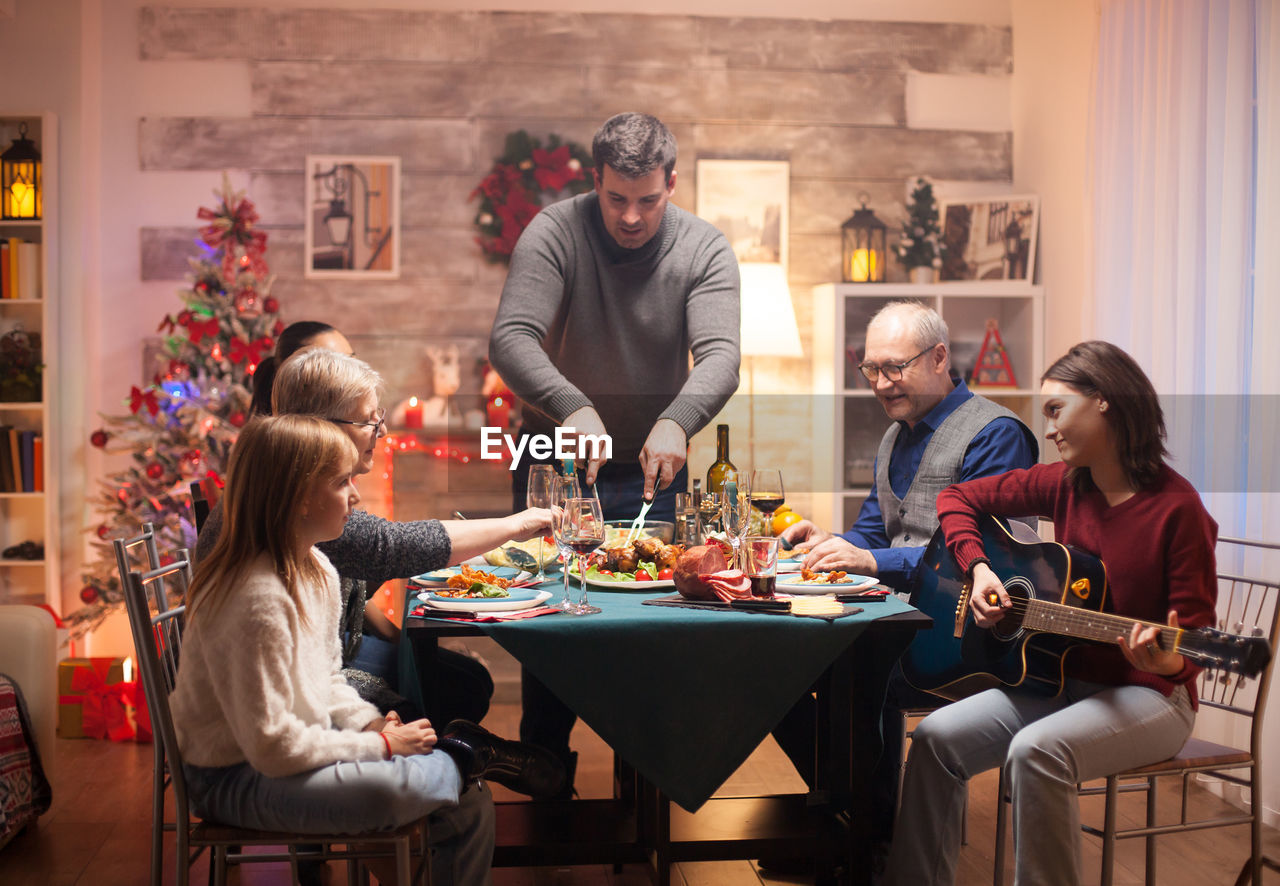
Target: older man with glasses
942 433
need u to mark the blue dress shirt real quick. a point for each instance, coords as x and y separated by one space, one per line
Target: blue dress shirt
1003 445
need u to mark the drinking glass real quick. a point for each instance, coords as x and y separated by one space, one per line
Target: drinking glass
582 530
735 514
708 511
760 562
538 495
563 489
767 494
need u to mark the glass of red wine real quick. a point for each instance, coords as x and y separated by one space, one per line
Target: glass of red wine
581 530
767 494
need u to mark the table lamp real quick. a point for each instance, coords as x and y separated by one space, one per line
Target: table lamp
768 327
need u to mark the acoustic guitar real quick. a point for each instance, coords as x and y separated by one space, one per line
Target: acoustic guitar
1059 595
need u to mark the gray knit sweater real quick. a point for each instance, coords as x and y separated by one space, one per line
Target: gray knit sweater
584 322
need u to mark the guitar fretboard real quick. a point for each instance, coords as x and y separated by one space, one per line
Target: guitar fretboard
1056 618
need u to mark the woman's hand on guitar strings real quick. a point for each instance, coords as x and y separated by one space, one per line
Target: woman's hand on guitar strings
1143 651
988 599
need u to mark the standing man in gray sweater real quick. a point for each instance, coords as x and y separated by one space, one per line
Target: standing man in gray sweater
608 295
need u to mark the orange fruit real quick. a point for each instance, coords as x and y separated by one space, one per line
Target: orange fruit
784 517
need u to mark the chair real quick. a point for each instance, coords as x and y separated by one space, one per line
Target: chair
1243 604
158 641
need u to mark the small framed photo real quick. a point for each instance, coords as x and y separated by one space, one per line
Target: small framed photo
990 238
747 200
353 217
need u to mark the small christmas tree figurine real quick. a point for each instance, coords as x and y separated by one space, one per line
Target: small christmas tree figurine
919 247
180 427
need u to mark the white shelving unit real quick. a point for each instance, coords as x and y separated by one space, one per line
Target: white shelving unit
849 421
33 515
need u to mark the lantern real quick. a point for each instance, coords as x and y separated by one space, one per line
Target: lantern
862 248
22 195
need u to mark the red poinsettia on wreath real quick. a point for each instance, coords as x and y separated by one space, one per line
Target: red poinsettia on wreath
525 178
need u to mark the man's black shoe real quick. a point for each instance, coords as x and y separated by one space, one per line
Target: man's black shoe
524 768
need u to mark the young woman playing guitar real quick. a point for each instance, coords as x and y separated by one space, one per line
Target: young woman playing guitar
1122 705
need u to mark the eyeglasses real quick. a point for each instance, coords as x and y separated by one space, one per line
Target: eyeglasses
891 371
374 425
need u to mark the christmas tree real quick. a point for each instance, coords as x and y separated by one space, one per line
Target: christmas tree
180 427
919 247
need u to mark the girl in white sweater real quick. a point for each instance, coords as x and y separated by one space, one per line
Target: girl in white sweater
272 735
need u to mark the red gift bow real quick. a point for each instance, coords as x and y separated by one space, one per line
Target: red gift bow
139 398
102 706
133 695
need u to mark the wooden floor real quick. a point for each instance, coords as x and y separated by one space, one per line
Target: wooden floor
97 832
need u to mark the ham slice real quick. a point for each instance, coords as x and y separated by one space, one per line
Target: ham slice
702 573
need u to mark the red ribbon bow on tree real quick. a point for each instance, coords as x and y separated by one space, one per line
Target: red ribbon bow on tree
139 398
198 329
242 350
231 226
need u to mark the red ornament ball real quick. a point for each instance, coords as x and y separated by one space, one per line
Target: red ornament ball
184 318
88 594
155 470
99 438
236 419
271 305
103 531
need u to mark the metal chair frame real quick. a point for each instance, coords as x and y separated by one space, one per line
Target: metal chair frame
1249 602
158 640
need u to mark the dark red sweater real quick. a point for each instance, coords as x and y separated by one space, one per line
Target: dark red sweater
1157 547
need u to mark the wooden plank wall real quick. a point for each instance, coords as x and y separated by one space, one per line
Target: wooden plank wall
442 89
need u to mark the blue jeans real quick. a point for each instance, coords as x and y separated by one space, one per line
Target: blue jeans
1046 746
350 798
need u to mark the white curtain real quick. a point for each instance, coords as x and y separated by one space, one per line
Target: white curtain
1186 163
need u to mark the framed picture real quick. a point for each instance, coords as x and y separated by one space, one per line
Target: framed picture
747 200
353 217
990 238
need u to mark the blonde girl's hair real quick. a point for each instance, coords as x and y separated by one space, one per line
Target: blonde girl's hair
318 381
275 464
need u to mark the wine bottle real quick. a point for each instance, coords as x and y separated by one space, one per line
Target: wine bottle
721 468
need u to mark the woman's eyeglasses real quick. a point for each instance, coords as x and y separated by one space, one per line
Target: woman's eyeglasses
375 425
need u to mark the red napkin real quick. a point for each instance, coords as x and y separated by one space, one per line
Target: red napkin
424 611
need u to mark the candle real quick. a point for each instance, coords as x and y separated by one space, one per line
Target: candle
413 414
862 265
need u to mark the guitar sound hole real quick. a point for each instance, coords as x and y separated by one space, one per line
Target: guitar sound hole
1019 590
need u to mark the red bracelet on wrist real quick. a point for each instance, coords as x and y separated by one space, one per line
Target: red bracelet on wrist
386 741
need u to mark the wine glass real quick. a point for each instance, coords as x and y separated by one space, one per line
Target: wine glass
735 514
582 531
767 494
563 489
538 495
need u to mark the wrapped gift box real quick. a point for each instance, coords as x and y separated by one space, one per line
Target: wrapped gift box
94 698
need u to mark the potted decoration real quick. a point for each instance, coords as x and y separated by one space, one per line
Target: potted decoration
21 370
919 249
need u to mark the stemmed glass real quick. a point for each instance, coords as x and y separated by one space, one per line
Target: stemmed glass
767 494
735 514
581 531
563 489
538 495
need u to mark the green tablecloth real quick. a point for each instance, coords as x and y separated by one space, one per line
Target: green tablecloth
683 695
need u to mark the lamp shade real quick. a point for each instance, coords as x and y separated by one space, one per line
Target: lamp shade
768 319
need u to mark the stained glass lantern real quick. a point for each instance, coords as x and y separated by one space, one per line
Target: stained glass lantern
862 248
22 196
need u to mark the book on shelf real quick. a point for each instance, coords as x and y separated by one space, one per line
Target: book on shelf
15 457
28 276
27 439
11 279
4 270
37 463
6 462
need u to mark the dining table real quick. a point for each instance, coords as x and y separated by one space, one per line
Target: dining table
683 696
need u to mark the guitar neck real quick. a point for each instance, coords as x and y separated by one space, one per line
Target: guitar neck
1086 624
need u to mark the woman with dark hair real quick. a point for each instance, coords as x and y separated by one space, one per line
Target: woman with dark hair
295 337
1121 706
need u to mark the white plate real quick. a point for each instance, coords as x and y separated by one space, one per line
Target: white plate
790 564
500 604
448 572
605 585
792 585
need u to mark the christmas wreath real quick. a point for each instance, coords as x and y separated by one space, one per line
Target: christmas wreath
524 179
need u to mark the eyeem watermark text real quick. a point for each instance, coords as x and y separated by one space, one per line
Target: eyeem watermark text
565 444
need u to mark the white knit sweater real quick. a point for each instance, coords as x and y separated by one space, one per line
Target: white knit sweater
258 683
